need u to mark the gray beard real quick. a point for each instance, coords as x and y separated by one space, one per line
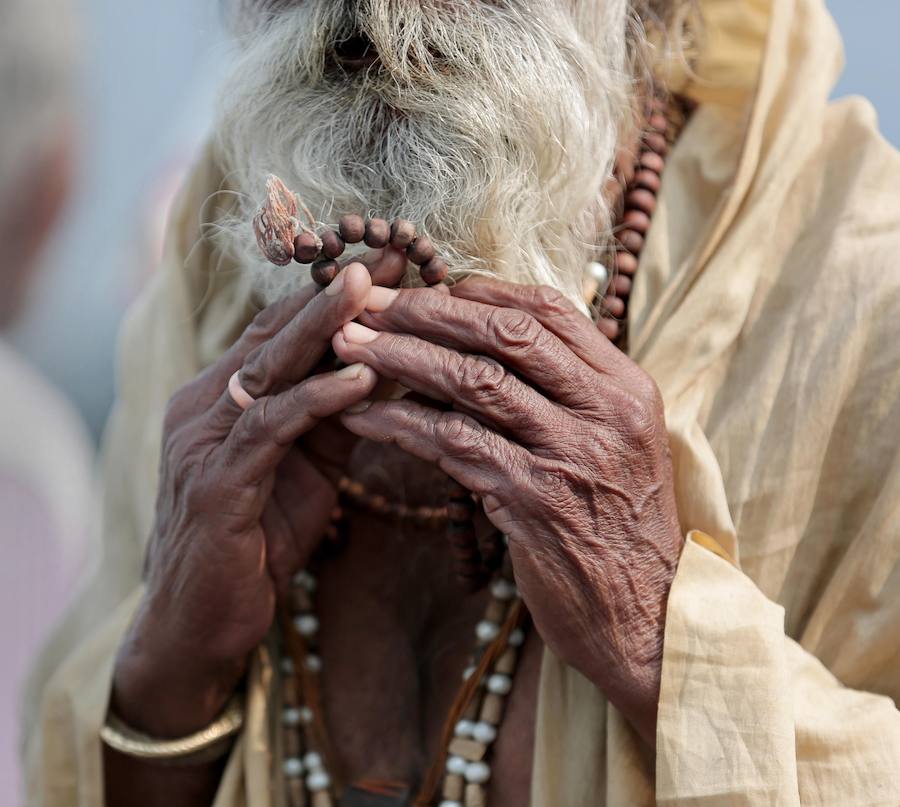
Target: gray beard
492 126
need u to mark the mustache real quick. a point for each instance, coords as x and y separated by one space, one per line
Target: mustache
400 42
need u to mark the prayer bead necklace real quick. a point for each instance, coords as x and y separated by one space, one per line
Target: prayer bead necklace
462 768
459 775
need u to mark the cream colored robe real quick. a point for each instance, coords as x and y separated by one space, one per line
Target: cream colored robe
767 307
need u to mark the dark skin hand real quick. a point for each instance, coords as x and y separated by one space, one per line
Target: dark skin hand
567 446
564 437
240 508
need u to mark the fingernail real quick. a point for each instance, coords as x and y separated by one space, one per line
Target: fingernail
358 409
380 298
359 334
351 372
336 286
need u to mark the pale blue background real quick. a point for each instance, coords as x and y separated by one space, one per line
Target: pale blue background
151 68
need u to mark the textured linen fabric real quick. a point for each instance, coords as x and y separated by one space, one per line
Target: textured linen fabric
766 308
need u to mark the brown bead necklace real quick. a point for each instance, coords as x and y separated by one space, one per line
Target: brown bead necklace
459 775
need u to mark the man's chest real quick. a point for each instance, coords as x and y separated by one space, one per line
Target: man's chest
396 636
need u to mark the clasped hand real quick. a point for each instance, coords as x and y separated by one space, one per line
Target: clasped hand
564 439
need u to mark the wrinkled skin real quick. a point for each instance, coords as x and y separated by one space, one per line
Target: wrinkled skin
560 433
564 438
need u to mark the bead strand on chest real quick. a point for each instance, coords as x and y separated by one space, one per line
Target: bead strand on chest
467 767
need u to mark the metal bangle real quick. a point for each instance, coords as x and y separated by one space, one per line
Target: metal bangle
205 745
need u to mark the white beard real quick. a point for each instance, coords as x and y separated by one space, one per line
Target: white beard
491 125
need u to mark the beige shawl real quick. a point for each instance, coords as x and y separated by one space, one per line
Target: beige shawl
767 310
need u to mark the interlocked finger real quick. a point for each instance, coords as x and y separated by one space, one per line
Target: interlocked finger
474 384
264 433
476 457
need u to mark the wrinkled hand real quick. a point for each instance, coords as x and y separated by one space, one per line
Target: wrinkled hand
564 437
240 506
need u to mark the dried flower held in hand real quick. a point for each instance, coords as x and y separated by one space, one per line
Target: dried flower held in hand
276 223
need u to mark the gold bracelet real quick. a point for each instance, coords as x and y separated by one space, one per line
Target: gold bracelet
205 745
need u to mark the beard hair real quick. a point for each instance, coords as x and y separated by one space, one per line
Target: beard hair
492 126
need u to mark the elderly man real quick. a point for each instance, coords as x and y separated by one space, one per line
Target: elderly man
677 526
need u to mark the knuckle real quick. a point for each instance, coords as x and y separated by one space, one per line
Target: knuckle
514 329
262 422
394 350
481 379
255 372
459 435
555 481
550 302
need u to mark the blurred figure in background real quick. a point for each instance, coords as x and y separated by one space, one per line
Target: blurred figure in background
45 454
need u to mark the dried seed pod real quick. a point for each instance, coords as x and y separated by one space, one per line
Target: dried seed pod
352 228
275 225
332 244
307 247
434 271
323 272
378 233
403 233
421 250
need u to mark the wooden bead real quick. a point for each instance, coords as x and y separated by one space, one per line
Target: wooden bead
471 750
434 271
626 263
460 511
632 241
296 792
496 611
491 709
641 199
293 746
652 162
322 798
332 244
622 285
659 105
649 180
403 233
421 250
352 228
614 306
454 785
658 123
472 710
306 247
506 664
289 692
301 602
378 233
656 143
636 220
610 328
476 796
323 272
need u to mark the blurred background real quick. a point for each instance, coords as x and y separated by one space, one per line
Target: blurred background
146 88
148 80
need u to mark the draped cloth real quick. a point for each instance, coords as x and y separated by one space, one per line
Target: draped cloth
766 309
